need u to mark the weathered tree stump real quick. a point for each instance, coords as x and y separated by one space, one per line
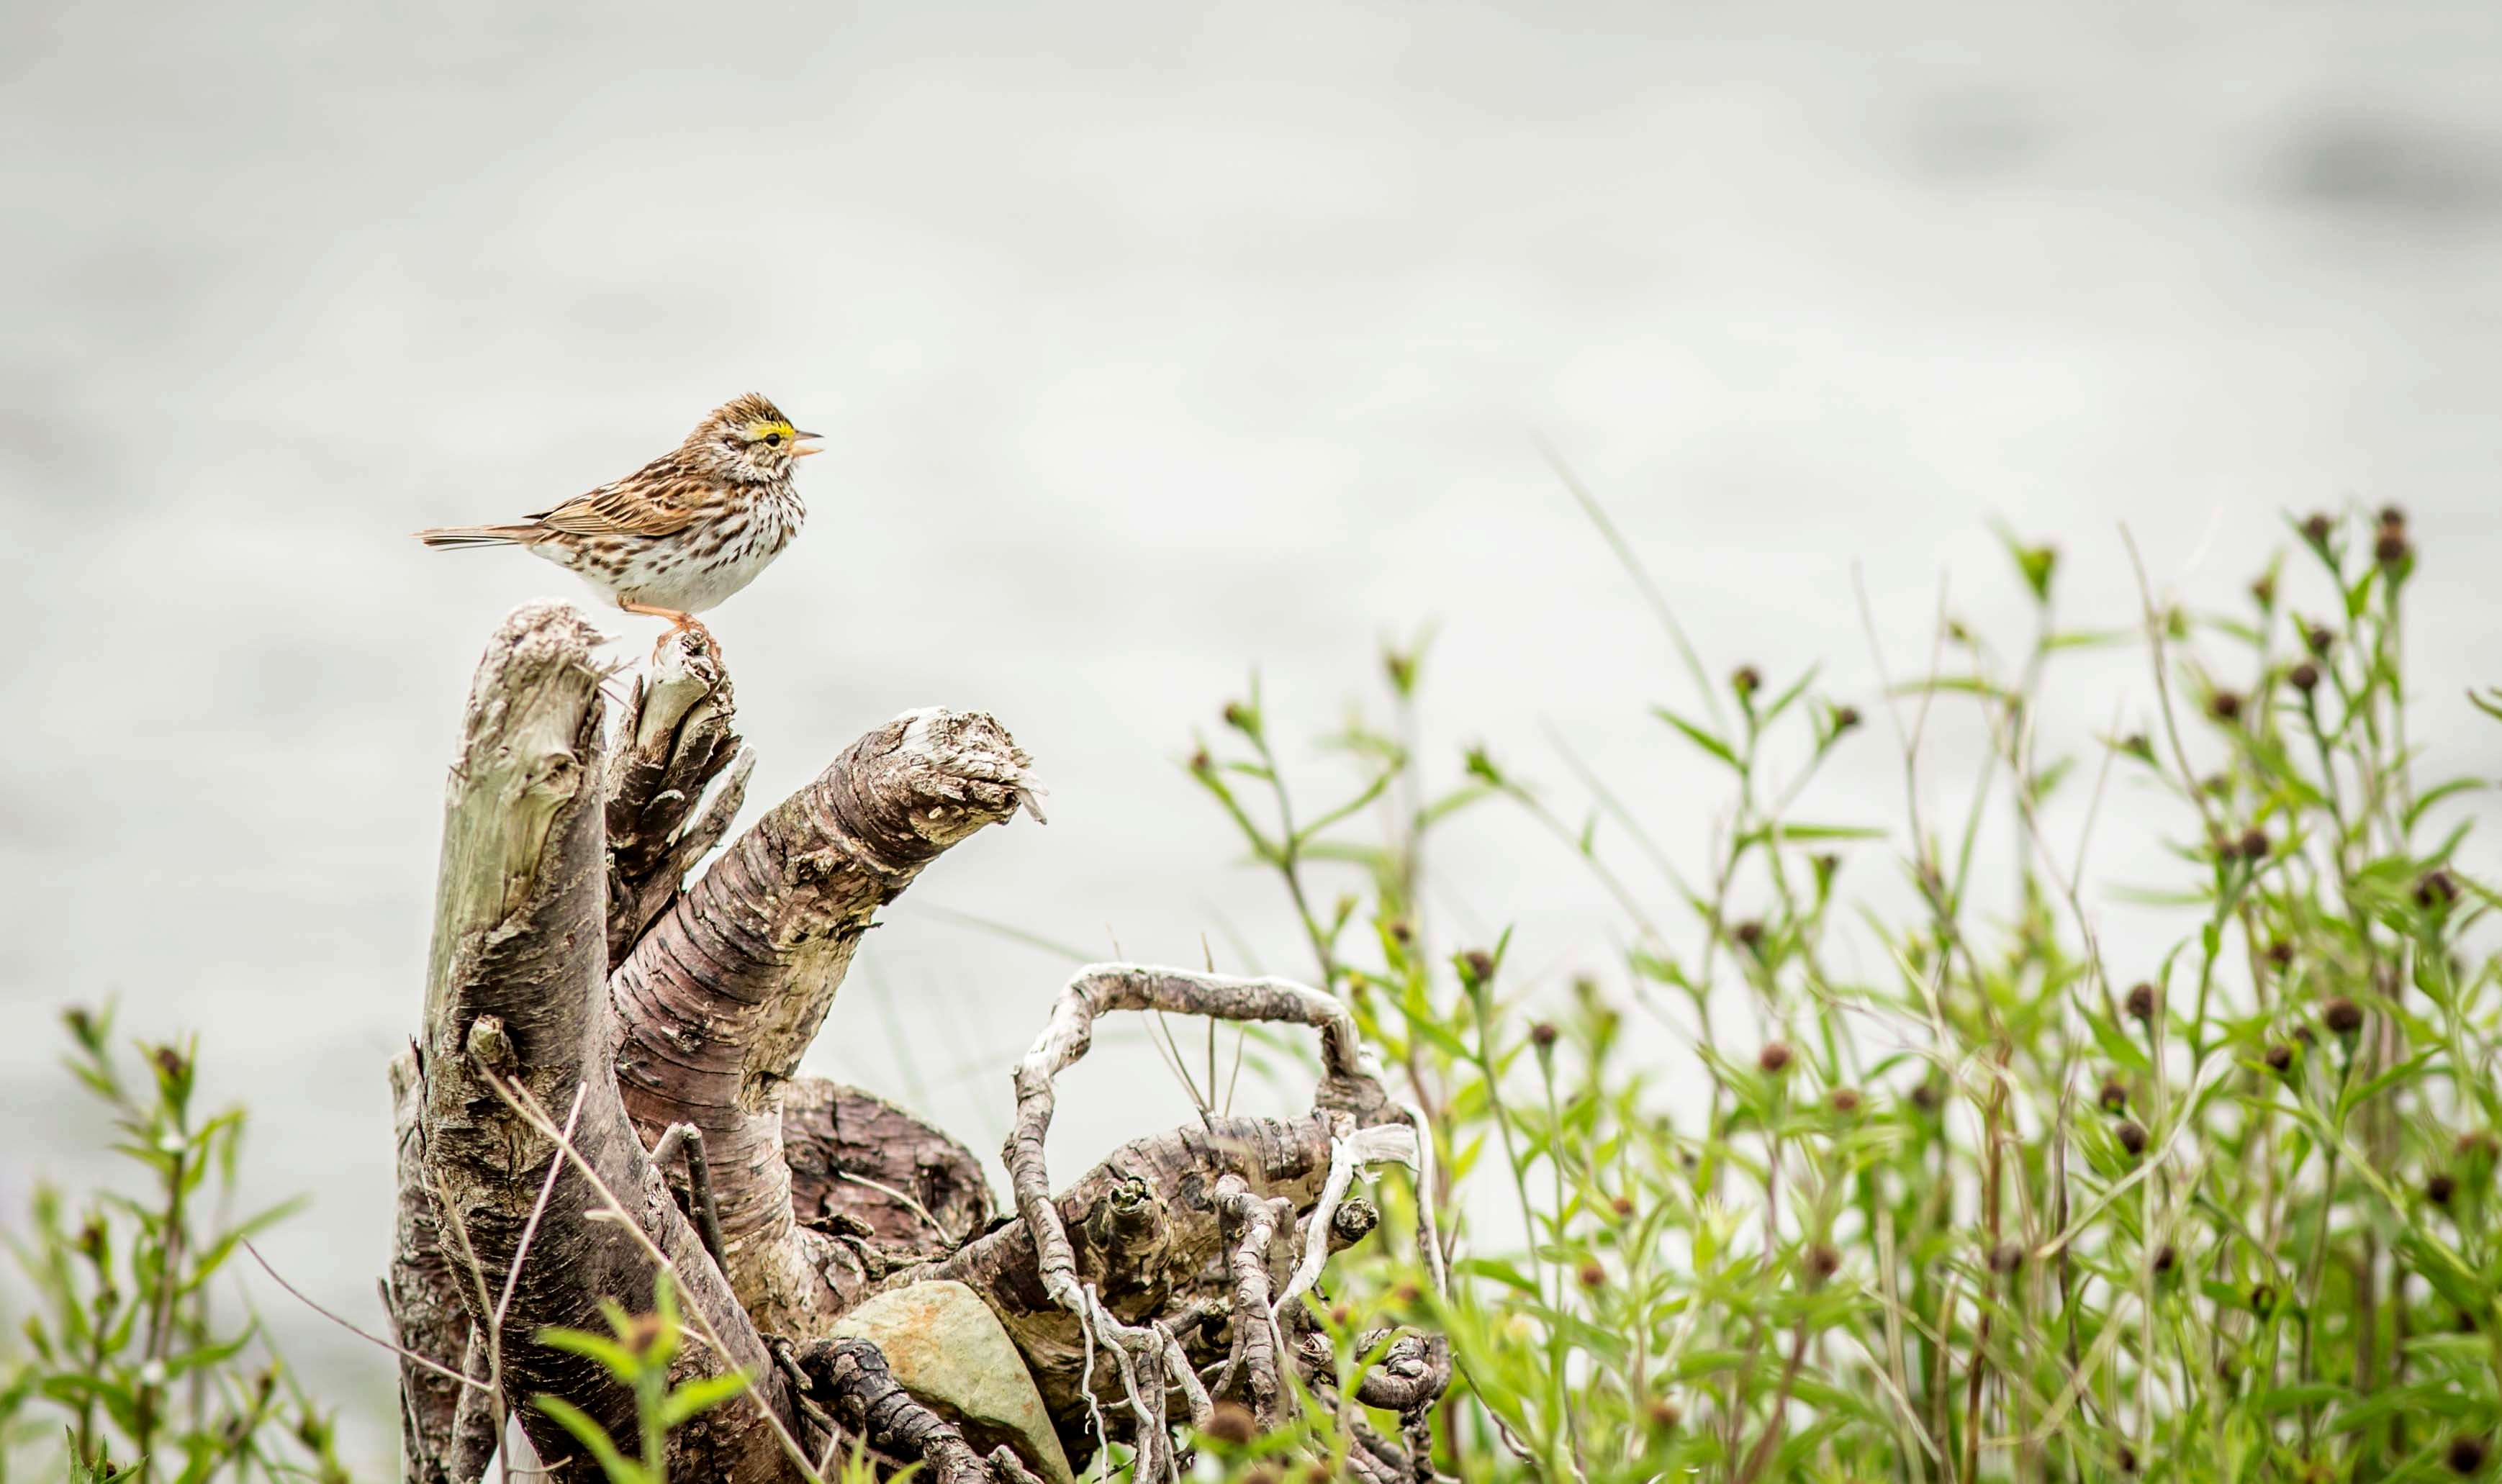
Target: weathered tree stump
584 1000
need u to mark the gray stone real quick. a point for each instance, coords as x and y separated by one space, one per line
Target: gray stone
949 1350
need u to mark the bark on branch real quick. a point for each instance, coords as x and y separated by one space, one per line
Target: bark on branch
573 968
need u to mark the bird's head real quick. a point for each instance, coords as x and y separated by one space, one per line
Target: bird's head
749 439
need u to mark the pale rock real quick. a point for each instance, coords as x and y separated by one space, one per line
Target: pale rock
949 1350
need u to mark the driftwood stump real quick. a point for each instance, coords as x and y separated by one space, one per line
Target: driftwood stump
605 1084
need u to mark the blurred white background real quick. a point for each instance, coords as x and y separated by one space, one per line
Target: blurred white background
1156 344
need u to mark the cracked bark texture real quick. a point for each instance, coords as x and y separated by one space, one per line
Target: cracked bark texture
514 1000
572 958
721 996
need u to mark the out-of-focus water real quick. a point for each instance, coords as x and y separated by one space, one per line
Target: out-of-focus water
1156 344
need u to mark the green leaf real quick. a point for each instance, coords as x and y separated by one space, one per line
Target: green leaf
619 1362
619 1468
1699 737
700 1396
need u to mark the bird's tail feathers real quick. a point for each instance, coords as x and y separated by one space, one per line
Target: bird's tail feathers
455 537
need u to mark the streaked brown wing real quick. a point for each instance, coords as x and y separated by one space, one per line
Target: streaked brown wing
644 505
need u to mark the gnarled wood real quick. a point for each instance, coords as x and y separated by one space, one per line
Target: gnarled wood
513 999
722 995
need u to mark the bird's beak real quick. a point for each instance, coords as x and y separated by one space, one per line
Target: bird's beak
801 447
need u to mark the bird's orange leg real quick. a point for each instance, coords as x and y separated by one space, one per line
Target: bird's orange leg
679 623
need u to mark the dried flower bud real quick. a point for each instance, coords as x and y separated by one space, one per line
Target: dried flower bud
1406 1293
1843 1101
2394 515
2132 1137
2253 844
1231 1423
1623 1207
1478 965
2113 1097
1749 933
2466 1454
1401 931
1593 1275
1662 1414
2006 1258
173 1063
2263 589
1844 718
2439 1188
2224 705
2279 953
2304 676
1544 1036
1925 1098
1339 1316
2436 888
2341 1015
2263 1299
1822 1262
2165 1257
2318 639
1200 763
2317 526
1773 1058
2127 1458
1746 680
1237 716
2391 547
2280 1057
2141 1002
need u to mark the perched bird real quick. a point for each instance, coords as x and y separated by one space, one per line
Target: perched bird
685 532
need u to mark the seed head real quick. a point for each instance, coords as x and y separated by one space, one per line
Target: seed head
2132 1137
1746 680
2280 1057
1749 933
2006 1258
1401 931
2436 888
1924 1097
1843 1101
2113 1097
1592 1275
1405 1294
1773 1058
2341 1015
2439 1188
1544 1035
2127 1458
1623 1207
1478 965
1662 1414
2224 705
2394 515
2165 1257
2263 1299
2305 677
2391 547
2141 1002
1844 718
1237 716
2466 1454
2279 953
2253 844
1231 1424
2316 527
2263 589
2318 639
1822 1262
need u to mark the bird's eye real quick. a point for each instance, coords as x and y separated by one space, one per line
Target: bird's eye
773 440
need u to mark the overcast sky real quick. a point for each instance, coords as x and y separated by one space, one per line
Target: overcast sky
1155 344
